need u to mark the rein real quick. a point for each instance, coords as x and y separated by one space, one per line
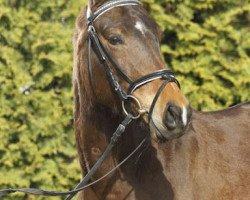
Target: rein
83 184
95 44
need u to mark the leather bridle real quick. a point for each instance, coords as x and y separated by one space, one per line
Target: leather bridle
95 44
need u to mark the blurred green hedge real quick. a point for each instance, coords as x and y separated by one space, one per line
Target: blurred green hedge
37 145
207 43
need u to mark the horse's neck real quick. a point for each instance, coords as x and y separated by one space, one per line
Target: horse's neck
103 119
99 125
142 171
147 172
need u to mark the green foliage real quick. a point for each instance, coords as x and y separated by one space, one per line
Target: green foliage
37 147
207 43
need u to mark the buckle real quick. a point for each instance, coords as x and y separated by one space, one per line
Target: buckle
141 111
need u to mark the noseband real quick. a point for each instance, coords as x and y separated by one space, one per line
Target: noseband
94 43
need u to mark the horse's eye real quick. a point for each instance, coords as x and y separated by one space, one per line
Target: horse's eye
115 40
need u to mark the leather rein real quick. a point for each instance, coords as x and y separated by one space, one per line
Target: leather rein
95 44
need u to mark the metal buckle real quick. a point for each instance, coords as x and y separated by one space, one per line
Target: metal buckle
141 111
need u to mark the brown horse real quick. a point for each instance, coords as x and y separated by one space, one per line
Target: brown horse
209 161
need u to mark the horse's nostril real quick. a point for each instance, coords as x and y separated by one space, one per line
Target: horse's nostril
172 116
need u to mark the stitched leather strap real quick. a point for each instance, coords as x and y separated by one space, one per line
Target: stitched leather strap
109 5
116 135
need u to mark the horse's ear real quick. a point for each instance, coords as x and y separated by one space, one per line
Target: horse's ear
93 3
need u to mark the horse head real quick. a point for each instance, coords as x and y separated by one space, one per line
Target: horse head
117 48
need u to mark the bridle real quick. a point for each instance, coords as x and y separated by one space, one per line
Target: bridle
95 44
104 57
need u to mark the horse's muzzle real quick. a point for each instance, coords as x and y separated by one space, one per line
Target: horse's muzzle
176 118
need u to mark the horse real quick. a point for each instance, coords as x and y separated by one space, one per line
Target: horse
187 154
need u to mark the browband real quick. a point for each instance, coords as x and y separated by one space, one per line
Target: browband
109 5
